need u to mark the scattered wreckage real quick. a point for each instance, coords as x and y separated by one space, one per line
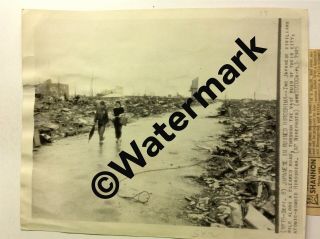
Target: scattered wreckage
239 180
56 118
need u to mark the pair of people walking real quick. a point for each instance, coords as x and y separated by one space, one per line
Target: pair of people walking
102 118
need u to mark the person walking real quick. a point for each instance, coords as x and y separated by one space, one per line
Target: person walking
117 111
101 117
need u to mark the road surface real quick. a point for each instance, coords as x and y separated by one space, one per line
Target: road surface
62 174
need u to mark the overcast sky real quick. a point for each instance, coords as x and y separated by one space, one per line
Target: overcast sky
157 56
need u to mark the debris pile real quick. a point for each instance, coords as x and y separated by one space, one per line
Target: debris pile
56 118
144 106
240 174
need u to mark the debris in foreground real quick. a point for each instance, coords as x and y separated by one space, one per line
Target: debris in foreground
239 180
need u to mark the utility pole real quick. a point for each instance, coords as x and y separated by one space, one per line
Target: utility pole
91 86
59 88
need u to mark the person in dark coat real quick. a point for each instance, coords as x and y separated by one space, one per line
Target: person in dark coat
101 117
117 111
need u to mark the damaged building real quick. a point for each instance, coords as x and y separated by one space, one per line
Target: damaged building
48 88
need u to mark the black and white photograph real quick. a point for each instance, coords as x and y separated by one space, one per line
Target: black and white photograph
182 112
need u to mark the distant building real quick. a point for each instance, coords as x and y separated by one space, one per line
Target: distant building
48 88
194 85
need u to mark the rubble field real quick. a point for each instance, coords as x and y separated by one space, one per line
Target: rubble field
239 179
57 118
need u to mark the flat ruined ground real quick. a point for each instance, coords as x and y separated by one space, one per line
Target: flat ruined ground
63 172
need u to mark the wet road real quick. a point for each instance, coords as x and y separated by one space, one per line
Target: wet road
63 172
